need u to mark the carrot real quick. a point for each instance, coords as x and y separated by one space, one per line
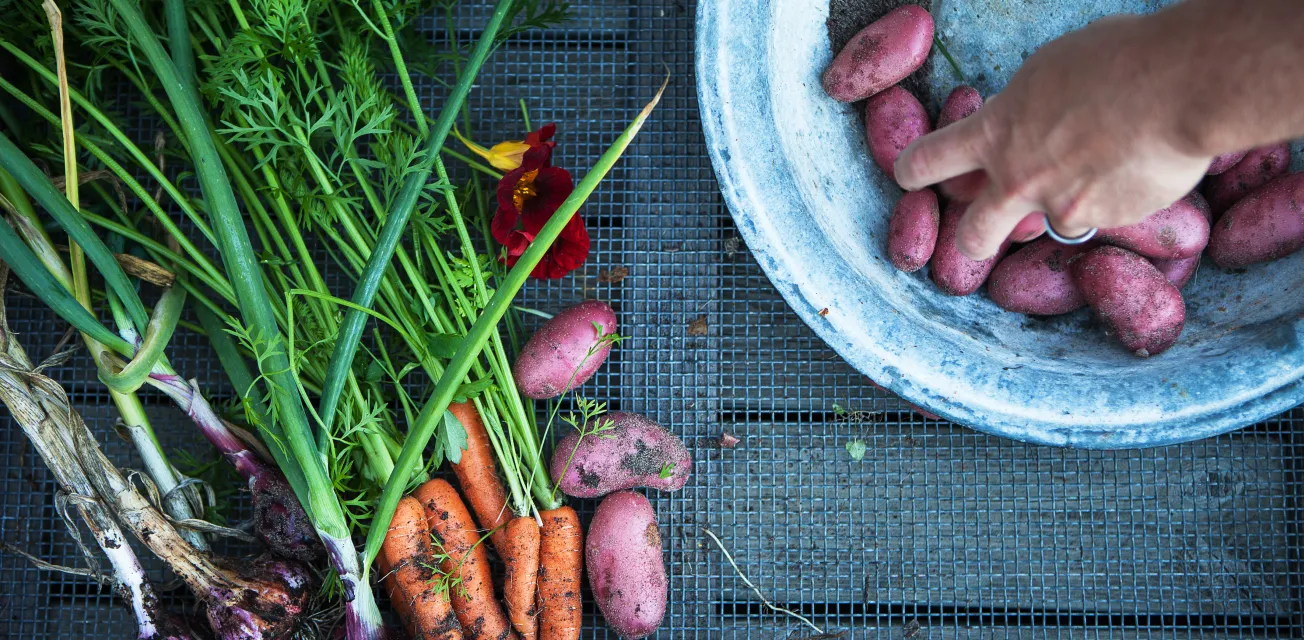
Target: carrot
407 562
515 539
561 561
464 563
478 476
522 559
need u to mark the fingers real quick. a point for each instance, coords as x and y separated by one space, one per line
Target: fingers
942 154
988 222
964 188
1071 215
1029 228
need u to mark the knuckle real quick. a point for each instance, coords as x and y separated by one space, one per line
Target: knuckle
919 159
1073 213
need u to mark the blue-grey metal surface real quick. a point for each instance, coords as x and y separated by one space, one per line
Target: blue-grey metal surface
937 532
795 172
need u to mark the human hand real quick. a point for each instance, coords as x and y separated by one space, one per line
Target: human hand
1089 130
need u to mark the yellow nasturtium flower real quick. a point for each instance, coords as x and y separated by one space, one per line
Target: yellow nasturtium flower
504 156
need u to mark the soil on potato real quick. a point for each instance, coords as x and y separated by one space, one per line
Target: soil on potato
848 17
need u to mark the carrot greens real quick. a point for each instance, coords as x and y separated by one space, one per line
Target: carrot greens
282 138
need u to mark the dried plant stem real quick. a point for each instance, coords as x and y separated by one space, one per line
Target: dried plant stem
754 588
33 401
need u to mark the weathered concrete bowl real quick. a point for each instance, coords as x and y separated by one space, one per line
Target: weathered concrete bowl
795 172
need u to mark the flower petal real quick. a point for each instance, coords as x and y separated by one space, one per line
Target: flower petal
506 155
507 190
569 251
516 244
542 136
552 186
504 222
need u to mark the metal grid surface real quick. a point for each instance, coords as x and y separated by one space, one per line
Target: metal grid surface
937 532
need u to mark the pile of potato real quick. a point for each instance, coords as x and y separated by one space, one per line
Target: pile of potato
1248 210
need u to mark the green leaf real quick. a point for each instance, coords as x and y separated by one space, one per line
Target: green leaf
29 269
472 390
667 470
375 371
452 438
157 334
857 449
443 345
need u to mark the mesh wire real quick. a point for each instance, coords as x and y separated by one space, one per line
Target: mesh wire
936 532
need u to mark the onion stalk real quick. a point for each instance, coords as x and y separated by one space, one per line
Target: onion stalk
280 521
45 272
294 445
261 599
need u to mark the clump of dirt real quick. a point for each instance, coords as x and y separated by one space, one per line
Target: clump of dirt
848 17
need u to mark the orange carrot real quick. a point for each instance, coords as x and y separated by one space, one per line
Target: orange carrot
478 475
561 561
465 564
521 555
407 561
515 539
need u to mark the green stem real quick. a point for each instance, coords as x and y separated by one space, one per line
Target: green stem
351 331
179 44
157 334
37 185
420 432
401 67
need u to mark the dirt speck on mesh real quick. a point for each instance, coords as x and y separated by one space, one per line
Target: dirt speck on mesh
698 327
613 275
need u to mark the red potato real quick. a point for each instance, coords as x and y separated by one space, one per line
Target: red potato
1260 166
912 231
1225 161
633 452
1265 225
1179 231
1035 280
1179 272
953 272
893 119
557 357
963 102
1138 304
626 571
881 55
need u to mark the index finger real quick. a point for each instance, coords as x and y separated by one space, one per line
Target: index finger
947 153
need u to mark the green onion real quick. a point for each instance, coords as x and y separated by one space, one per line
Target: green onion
244 273
17 164
157 334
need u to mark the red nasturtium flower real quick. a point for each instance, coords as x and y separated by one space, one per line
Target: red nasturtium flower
528 196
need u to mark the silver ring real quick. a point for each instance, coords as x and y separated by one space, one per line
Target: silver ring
1050 231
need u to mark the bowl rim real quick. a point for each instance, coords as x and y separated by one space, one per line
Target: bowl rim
753 190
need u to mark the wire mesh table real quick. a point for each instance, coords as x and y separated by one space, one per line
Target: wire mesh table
932 531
